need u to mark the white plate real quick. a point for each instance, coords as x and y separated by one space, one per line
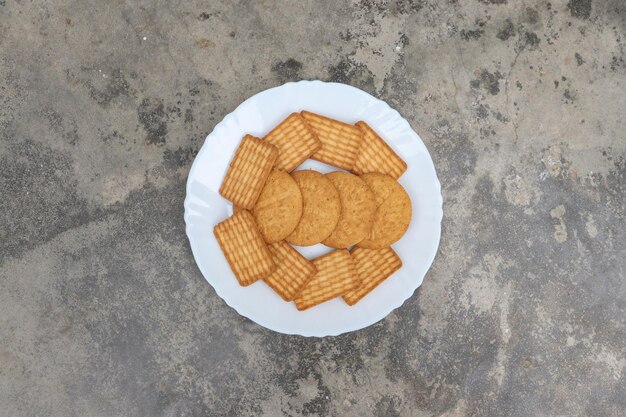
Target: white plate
204 207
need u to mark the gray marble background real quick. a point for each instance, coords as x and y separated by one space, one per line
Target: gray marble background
103 106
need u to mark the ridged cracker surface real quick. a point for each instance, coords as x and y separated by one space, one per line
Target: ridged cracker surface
248 171
295 141
244 248
375 155
373 266
340 141
293 271
336 275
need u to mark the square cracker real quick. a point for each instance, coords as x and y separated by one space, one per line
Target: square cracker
292 272
248 171
244 248
373 266
340 141
375 155
336 275
295 141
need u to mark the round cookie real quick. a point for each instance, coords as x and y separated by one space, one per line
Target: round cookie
320 211
393 213
279 207
358 207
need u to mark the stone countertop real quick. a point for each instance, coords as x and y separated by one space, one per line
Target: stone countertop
103 107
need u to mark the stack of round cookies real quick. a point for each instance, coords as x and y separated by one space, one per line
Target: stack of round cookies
338 209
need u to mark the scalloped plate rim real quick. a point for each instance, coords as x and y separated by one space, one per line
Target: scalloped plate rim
228 118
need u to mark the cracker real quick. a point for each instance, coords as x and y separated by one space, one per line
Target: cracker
373 266
358 207
375 155
279 207
244 248
321 208
295 141
248 171
293 271
340 141
393 212
336 275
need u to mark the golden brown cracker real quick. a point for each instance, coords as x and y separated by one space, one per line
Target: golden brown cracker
295 141
373 266
375 155
393 212
244 248
293 271
336 275
340 141
358 206
279 207
248 171
321 208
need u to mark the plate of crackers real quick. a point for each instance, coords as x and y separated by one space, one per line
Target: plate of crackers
313 209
